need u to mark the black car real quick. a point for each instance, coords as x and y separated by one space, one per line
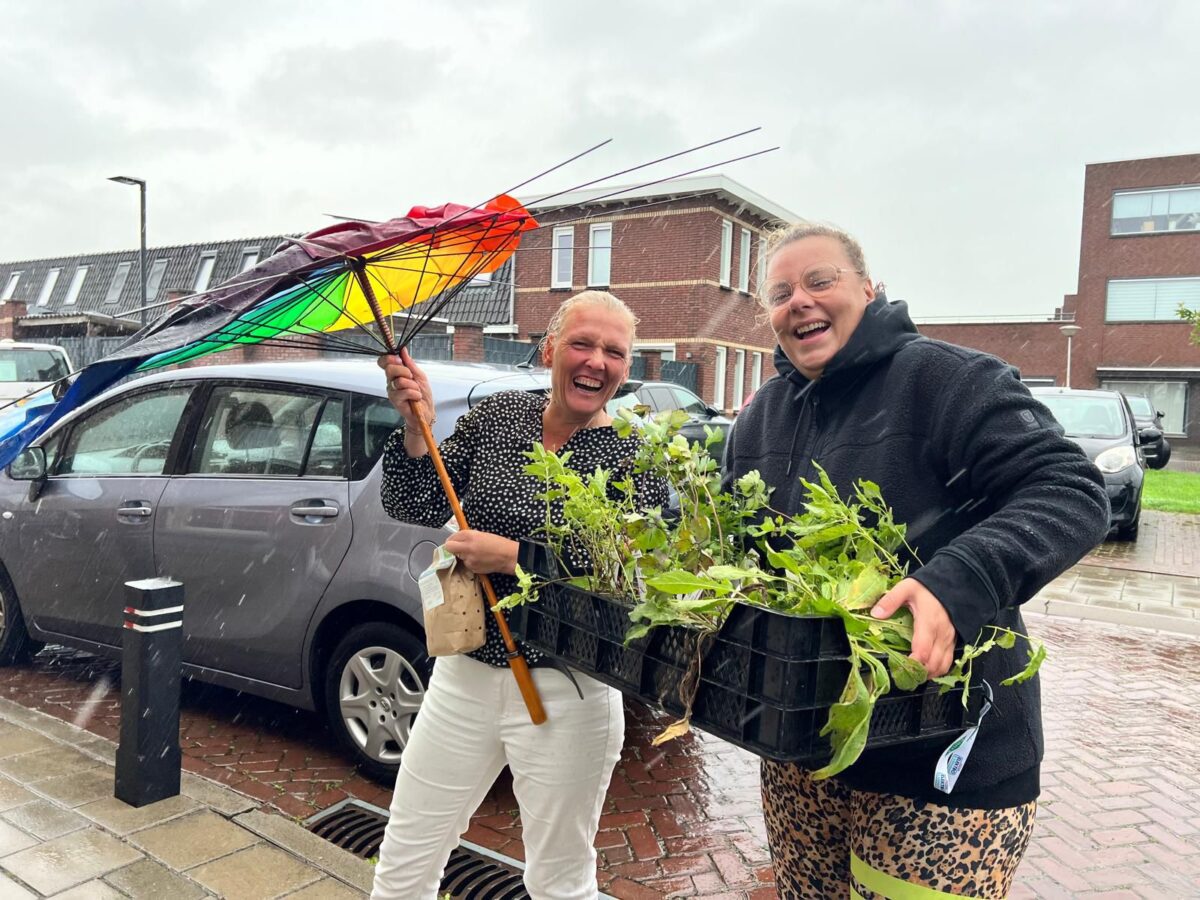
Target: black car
1149 422
663 396
1101 422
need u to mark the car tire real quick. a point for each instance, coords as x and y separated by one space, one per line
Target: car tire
374 684
1129 532
16 646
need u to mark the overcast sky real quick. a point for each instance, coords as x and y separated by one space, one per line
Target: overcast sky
952 139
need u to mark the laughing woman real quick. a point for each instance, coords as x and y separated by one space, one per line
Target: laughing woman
997 504
473 721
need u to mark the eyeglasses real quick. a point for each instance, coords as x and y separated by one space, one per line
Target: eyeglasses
818 280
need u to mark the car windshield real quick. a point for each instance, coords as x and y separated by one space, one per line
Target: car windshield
1086 416
1140 405
31 364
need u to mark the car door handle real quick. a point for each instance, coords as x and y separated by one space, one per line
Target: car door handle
325 511
138 508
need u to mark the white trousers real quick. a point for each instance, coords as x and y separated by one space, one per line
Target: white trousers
472 723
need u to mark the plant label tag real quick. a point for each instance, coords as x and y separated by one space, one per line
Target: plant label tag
429 583
950 764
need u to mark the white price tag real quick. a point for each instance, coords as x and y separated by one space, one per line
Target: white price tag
429 584
950 764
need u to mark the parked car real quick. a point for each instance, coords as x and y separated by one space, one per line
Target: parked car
662 396
257 487
1101 422
25 368
1155 446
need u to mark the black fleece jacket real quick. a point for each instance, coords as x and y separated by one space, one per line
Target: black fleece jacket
996 500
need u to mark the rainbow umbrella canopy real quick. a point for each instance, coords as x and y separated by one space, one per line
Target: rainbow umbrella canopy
317 285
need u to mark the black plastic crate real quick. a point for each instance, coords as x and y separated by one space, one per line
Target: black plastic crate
749 695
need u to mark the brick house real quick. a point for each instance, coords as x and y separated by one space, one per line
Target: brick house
684 254
1139 259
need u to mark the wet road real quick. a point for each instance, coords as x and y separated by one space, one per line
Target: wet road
1120 814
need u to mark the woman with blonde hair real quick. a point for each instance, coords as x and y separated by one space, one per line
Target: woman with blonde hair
473 721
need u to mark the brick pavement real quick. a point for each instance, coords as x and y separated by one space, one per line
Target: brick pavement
1120 815
1168 544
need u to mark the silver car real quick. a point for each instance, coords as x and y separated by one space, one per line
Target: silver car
257 487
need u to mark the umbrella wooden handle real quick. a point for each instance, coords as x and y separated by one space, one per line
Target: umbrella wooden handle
516 662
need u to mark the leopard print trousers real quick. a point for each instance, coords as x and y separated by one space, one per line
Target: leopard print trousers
816 827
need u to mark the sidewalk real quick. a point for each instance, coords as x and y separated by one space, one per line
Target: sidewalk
64 835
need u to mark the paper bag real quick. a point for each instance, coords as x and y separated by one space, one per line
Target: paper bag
452 598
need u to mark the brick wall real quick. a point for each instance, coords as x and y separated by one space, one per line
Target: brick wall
666 267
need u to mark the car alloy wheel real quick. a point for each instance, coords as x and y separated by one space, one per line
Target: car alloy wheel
374 689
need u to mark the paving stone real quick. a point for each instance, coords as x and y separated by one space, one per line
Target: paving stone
48 762
326 889
121 818
13 839
10 890
69 860
318 851
149 880
14 740
193 839
12 794
44 820
79 788
93 890
255 874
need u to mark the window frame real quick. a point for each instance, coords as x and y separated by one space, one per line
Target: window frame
1170 315
10 286
739 376
154 281
48 286
719 374
116 286
75 288
557 279
594 253
744 262
1152 217
726 254
250 253
756 369
209 257
66 434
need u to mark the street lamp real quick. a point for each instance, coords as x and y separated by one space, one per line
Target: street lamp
124 179
1070 331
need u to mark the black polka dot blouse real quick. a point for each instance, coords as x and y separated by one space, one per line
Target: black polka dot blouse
486 461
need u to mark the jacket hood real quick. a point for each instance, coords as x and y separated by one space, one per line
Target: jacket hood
884 329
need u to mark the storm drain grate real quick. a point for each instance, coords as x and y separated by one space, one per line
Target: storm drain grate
470 874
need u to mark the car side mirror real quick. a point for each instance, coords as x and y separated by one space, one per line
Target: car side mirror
712 411
1149 435
30 465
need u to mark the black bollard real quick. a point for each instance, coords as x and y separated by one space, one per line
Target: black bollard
148 756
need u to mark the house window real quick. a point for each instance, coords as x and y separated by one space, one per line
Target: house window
10 286
726 251
756 372
480 279
739 377
762 263
118 282
744 262
249 260
1150 299
1168 397
154 280
561 257
719 380
1152 212
208 262
75 286
599 255
48 286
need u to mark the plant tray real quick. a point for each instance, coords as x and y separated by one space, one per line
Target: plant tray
767 679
